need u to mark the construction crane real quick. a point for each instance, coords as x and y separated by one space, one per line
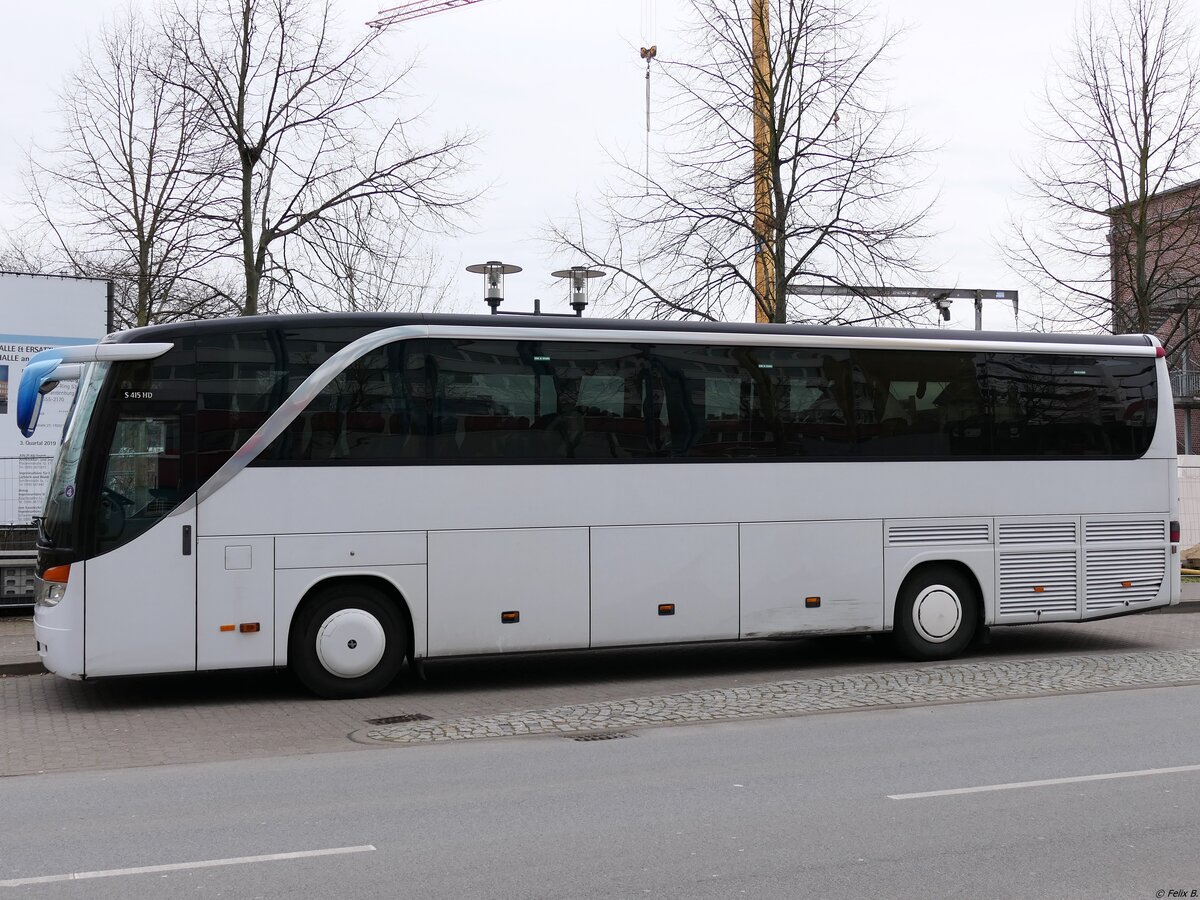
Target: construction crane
415 9
762 76
764 221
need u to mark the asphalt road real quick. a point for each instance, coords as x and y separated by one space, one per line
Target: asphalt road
789 807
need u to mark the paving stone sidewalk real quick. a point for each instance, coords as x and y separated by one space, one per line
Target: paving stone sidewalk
907 687
18 651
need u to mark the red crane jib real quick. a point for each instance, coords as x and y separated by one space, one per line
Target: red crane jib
415 9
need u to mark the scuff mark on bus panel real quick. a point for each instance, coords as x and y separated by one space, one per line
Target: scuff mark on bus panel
784 563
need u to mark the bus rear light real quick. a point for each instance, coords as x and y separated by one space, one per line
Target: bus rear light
1174 532
1160 352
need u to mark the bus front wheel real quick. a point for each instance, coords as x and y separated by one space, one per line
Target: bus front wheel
348 641
937 614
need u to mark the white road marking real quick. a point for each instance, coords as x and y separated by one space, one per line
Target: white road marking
176 867
1014 785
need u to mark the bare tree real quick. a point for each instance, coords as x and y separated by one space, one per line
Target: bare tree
839 172
308 132
1111 240
367 265
123 195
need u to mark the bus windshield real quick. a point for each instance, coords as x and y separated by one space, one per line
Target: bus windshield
60 501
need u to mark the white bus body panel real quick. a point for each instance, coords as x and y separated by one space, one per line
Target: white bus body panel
314 500
141 603
521 537
58 629
1038 569
323 551
236 578
474 576
634 570
784 563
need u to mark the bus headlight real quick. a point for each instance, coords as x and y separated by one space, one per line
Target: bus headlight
47 593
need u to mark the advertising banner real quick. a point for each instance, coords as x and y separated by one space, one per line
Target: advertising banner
38 312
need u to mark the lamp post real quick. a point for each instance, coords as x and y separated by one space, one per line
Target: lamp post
493 273
579 276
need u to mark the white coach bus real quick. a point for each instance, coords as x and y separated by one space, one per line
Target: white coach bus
339 493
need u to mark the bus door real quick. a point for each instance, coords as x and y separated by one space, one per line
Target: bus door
140 585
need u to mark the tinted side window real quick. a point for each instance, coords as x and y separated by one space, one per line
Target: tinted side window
914 404
243 376
803 400
1072 406
375 410
709 397
240 379
542 400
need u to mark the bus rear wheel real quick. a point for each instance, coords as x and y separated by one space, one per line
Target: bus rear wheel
937 614
349 641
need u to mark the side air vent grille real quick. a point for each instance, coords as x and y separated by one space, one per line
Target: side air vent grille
1037 532
907 535
1111 532
1118 577
1033 583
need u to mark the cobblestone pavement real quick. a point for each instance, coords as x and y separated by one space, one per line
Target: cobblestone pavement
50 724
16 640
938 684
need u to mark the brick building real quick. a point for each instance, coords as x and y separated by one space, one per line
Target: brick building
1168 272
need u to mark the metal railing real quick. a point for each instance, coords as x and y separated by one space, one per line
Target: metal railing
1185 384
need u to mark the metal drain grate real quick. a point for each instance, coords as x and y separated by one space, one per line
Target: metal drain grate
602 736
404 717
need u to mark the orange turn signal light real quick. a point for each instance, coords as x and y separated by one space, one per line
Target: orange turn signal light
57 574
248 627
666 609
228 627
812 602
510 616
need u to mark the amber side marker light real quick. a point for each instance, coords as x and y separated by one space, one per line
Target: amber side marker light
812 602
511 616
57 574
666 609
248 627
1039 589
1126 584
229 628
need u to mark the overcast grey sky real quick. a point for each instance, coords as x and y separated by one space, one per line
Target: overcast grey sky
551 83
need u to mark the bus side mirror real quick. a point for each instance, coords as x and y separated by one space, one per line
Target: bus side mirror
42 374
